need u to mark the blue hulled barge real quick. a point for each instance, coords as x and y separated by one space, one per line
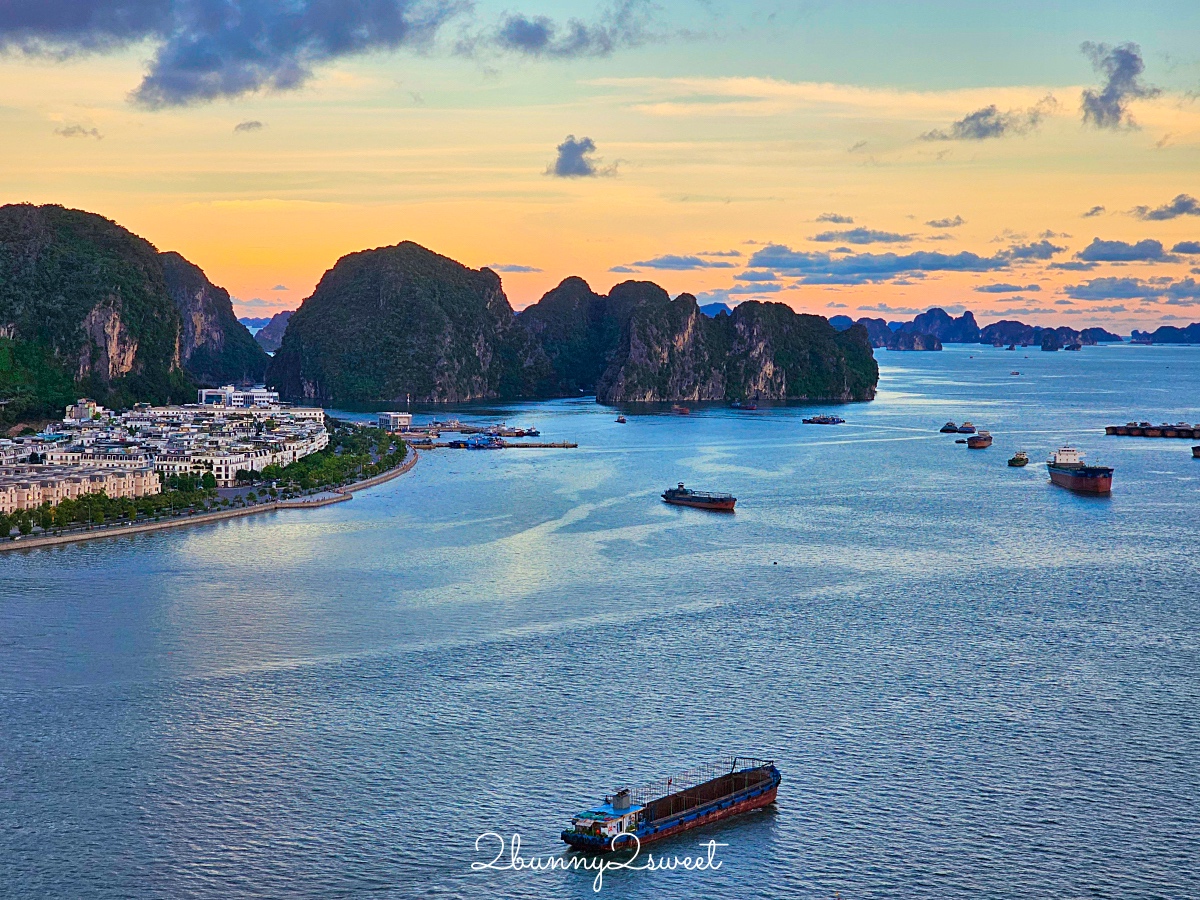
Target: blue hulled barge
707 794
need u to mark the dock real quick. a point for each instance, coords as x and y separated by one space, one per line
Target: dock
1145 429
507 445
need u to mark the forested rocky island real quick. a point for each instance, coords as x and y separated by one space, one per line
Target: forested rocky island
405 324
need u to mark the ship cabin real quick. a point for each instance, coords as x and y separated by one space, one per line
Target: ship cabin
1067 456
616 815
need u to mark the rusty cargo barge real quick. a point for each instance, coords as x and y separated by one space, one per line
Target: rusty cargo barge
707 794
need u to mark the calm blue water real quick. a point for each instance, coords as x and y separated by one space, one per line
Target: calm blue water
975 683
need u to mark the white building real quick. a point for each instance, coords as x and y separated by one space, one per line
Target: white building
234 398
395 421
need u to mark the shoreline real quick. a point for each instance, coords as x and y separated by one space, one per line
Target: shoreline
341 495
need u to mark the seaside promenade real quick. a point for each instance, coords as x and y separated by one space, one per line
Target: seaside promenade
311 501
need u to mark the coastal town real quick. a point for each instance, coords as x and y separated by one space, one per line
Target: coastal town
228 432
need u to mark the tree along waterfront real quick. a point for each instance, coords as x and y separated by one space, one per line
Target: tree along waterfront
353 453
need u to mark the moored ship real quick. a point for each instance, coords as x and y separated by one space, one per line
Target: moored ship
966 428
979 441
704 795
682 496
1067 469
1196 452
949 428
1019 459
824 420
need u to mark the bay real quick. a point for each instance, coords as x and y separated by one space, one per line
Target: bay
974 683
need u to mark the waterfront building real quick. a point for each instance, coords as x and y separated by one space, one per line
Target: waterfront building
395 421
28 487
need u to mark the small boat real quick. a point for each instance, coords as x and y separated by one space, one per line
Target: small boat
961 441
949 428
966 428
680 410
824 420
1067 469
744 404
980 441
707 794
1011 347
485 442
1196 452
621 420
1019 459
681 496
1014 372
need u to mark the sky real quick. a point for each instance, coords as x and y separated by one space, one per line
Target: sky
1022 160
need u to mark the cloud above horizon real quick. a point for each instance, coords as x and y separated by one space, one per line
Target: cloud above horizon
810 267
575 160
989 122
73 131
674 263
624 25
860 236
1122 68
835 219
1147 250
1182 205
947 222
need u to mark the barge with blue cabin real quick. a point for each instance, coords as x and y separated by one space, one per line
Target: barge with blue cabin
701 796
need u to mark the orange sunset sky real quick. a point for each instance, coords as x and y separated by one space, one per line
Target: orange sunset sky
856 158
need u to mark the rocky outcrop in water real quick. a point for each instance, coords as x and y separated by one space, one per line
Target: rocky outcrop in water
402 323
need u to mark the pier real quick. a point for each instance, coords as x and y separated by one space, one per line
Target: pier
504 445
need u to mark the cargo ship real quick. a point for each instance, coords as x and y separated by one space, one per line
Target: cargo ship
979 441
1068 470
1019 459
707 794
966 428
681 496
824 420
949 428
1196 452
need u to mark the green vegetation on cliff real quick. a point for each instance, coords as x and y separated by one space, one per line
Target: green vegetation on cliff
89 309
394 324
404 324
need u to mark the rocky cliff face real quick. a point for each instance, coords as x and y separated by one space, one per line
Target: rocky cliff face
393 325
214 346
939 324
766 351
270 336
403 323
84 309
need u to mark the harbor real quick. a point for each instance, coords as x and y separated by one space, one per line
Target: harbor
499 436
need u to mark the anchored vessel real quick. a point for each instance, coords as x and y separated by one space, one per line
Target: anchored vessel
681 496
979 441
1067 469
949 428
709 793
1020 458
1196 452
825 420
966 428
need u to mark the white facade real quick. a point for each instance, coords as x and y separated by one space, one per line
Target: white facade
395 421
236 399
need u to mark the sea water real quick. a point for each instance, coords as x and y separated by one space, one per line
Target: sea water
975 683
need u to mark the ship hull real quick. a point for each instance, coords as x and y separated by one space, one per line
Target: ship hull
744 802
1196 452
714 505
1085 482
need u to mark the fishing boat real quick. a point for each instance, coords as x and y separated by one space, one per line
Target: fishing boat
709 793
966 428
1068 470
682 496
621 420
680 410
744 404
1019 459
824 420
979 441
949 428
